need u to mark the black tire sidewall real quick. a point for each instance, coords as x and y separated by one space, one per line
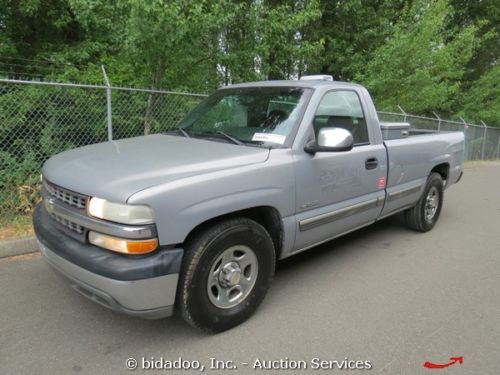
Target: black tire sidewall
436 181
201 310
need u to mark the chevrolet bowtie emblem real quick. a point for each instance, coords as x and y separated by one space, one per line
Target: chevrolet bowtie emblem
49 205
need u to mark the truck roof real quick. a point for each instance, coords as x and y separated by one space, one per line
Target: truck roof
294 83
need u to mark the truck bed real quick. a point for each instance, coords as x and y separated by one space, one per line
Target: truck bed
411 159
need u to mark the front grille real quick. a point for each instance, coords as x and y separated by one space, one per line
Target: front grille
69 224
73 201
66 196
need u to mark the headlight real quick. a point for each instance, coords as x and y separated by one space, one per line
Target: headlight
120 213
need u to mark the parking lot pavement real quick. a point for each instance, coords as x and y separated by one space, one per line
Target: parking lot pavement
383 294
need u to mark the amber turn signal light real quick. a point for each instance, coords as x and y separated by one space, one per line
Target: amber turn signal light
122 245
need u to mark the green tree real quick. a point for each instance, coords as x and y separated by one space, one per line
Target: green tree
482 101
59 39
484 14
282 50
422 65
170 42
351 30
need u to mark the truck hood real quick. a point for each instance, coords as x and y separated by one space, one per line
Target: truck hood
115 170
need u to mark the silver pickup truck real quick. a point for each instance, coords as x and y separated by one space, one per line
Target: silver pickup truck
196 218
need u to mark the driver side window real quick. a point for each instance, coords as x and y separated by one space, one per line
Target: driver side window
342 109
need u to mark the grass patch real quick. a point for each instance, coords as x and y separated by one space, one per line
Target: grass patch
16 227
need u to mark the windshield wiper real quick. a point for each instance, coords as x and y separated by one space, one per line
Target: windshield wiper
183 132
178 130
236 141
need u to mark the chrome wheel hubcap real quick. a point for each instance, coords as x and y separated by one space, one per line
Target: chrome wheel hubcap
232 276
431 204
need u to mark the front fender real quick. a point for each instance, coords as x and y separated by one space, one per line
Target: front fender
182 205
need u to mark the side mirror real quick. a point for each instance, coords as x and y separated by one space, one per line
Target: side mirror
331 140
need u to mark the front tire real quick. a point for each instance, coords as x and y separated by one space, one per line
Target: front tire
424 215
227 270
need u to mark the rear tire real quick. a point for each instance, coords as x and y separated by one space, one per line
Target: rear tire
423 216
226 272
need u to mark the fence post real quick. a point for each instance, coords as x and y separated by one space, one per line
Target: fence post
108 100
465 138
498 148
484 140
403 112
439 121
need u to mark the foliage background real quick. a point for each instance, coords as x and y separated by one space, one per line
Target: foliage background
426 55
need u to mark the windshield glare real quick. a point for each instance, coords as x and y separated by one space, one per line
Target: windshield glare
262 116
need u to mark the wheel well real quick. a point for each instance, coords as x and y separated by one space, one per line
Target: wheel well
443 169
267 216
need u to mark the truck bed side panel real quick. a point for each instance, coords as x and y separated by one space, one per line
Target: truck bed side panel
411 160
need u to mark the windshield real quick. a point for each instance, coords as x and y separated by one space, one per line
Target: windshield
261 116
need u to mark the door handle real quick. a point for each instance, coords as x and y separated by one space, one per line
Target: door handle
371 163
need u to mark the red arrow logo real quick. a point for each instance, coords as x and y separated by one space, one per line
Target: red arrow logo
452 359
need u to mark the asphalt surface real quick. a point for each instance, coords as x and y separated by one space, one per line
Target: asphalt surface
383 294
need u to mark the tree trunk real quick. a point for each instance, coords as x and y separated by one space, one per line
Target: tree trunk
153 97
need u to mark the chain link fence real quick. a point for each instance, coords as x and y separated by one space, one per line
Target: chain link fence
40 119
482 142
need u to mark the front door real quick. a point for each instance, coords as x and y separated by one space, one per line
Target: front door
339 191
